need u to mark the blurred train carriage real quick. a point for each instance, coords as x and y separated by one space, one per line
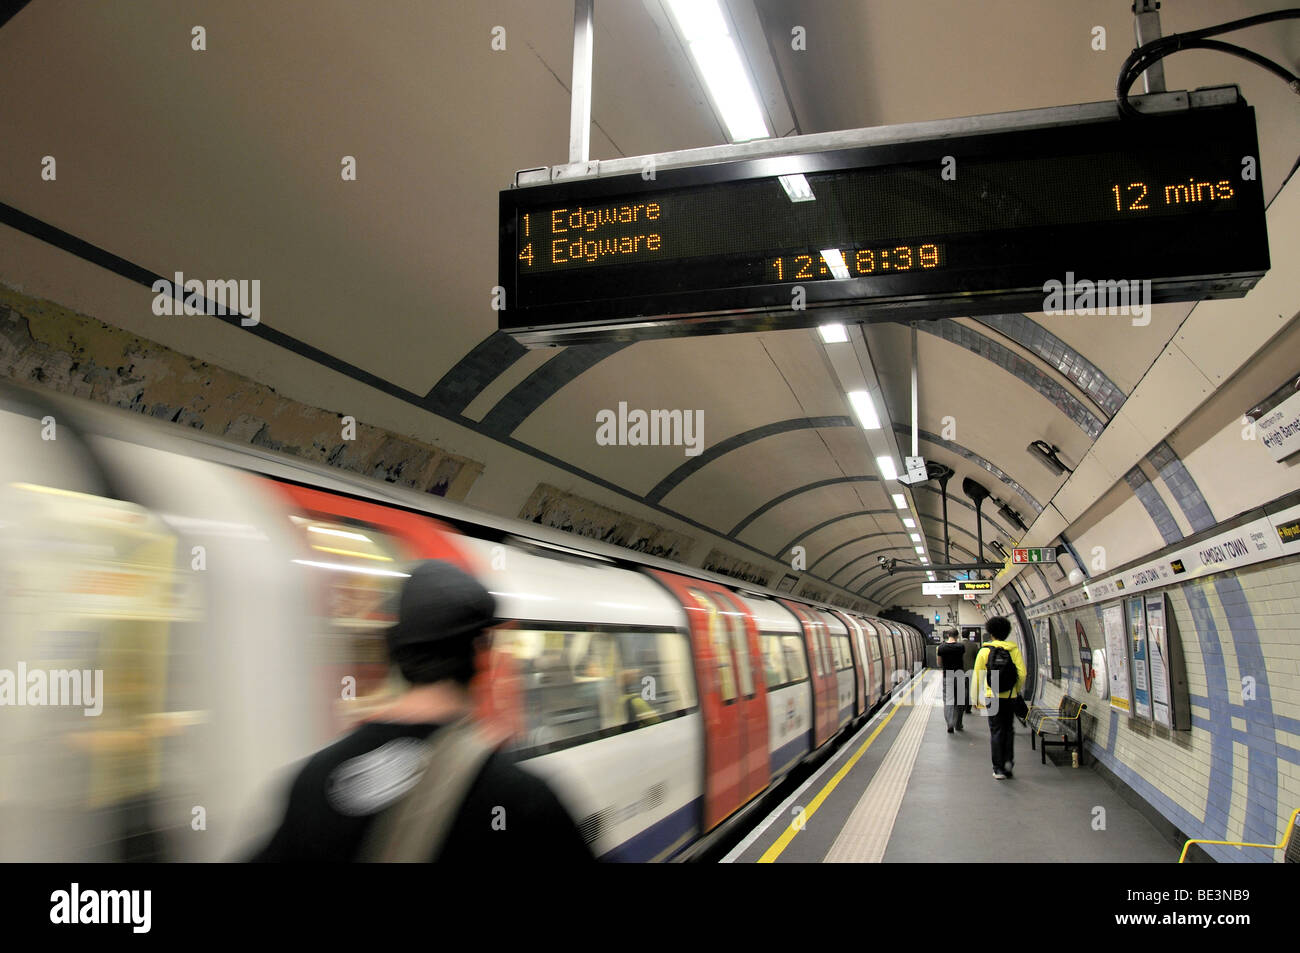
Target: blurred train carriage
235 602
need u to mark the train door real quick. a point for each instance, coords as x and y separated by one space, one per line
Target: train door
857 649
900 655
904 654
358 552
742 632
876 650
727 736
821 671
890 648
836 635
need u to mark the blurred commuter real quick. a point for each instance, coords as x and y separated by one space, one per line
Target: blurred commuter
950 655
417 782
1001 661
636 708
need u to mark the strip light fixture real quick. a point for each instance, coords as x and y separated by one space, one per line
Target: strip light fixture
717 57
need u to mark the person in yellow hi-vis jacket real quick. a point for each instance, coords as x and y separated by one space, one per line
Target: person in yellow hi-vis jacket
1002 667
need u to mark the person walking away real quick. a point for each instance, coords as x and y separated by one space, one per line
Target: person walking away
951 655
417 782
1001 665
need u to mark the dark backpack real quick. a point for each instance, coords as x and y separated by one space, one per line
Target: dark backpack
1001 663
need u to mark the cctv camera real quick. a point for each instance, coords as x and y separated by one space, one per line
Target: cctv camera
1046 454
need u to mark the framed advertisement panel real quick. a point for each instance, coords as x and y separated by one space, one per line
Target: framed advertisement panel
1112 618
1170 703
1158 648
1137 635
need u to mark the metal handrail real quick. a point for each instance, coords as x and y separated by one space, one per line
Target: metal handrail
1235 843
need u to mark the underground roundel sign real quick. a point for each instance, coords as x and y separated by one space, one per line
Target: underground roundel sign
1085 656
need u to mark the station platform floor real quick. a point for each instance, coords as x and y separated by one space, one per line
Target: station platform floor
903 790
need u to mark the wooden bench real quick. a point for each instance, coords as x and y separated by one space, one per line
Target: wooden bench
1065 722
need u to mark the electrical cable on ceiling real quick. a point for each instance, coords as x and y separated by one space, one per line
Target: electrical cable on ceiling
1144 56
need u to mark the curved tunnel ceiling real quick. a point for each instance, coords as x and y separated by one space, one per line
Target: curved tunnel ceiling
386 283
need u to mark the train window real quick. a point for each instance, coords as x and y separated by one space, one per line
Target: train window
360 570
735 624
579 683
795 661
845 653
828 660
817 652
773 660
718 638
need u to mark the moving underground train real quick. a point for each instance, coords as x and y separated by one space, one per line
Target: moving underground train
184 620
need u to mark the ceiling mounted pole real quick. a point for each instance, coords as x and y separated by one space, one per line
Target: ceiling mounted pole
1146 29
584 36
916 452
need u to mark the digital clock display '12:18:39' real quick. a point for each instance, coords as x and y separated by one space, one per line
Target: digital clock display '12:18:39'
859 263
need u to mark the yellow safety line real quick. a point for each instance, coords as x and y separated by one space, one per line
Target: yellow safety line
783 841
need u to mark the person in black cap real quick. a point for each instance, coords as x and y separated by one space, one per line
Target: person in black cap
416 782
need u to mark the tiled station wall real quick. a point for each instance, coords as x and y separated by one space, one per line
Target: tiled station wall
1236 774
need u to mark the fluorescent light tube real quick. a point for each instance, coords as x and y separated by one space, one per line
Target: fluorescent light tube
797 188
834 259
865 409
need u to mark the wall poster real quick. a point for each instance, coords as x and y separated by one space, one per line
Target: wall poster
1137 634
1158 646
1117 657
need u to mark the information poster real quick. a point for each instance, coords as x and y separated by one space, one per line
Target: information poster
1137 633
1158 644
1117 657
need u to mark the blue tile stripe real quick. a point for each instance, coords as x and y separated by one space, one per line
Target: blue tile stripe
1011 362
1260 737
1219 794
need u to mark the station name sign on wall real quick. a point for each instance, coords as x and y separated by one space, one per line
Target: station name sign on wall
961 217
1269 537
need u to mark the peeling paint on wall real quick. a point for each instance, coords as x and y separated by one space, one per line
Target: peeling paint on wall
42 343
561 510
724 565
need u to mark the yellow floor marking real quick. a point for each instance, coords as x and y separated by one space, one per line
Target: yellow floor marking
801 822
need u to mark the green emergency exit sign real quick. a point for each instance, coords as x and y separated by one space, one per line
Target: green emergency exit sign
1034 555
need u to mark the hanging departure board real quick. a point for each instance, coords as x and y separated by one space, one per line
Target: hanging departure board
954 225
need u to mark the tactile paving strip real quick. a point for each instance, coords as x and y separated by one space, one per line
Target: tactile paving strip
866 833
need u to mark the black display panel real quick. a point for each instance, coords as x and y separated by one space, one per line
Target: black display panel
948 227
